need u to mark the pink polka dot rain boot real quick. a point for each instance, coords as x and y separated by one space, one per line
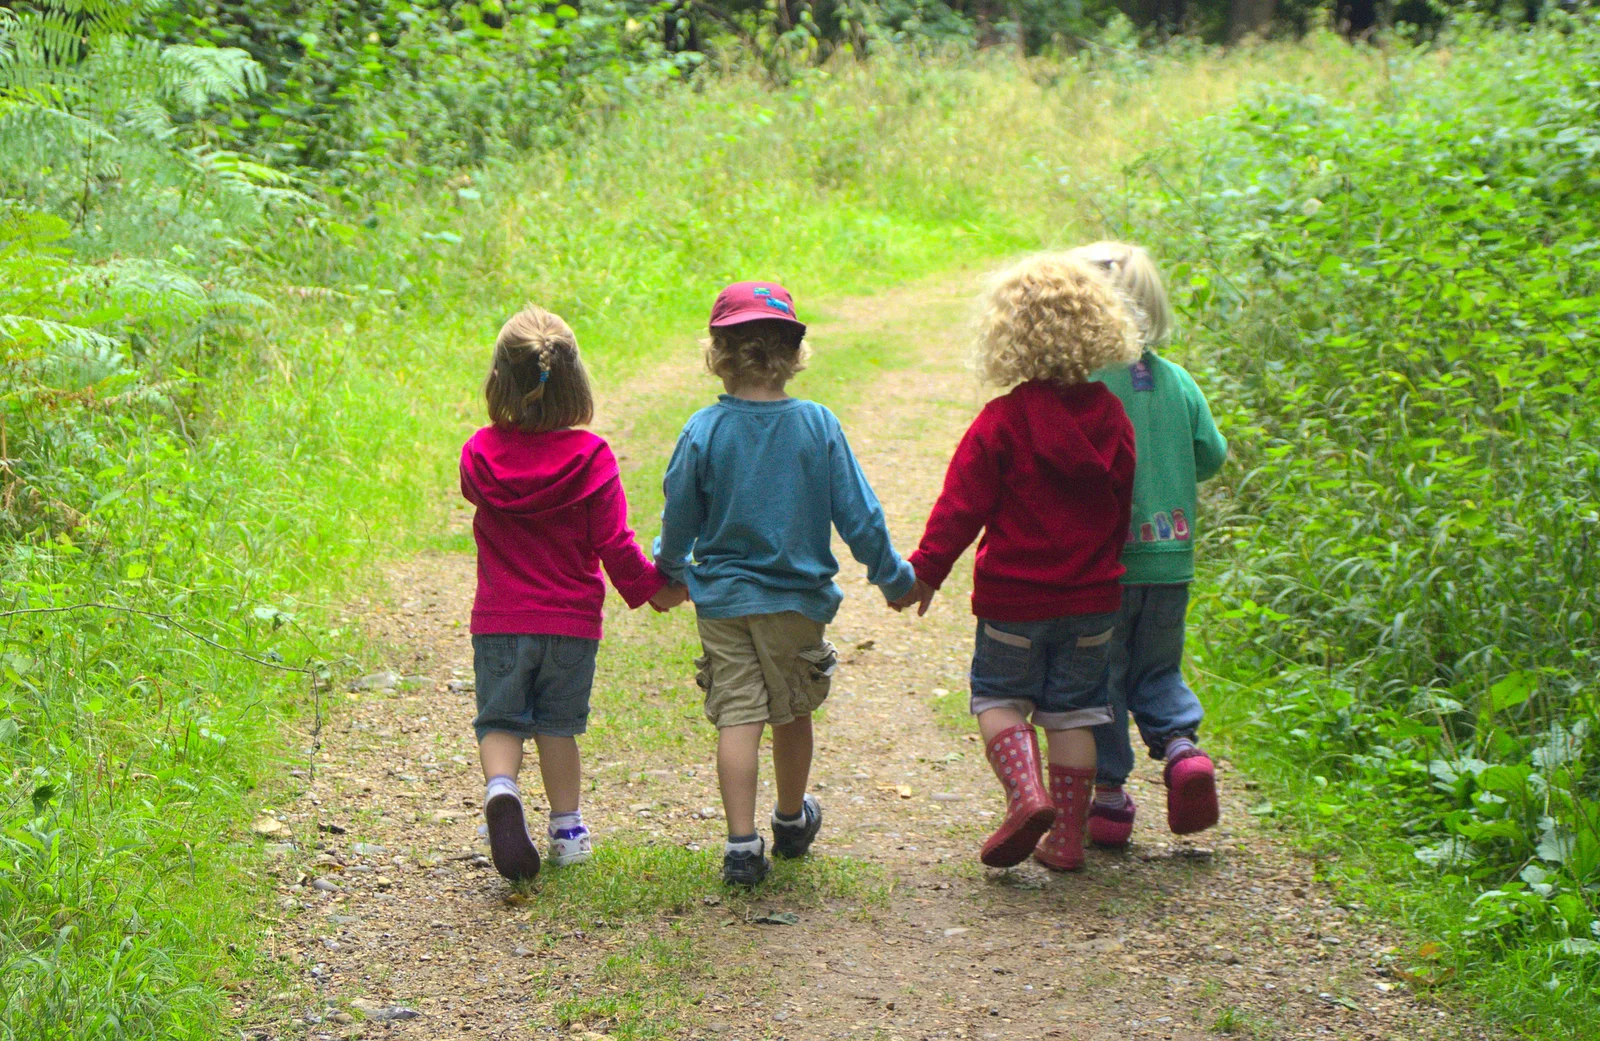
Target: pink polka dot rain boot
1070 790
1014 754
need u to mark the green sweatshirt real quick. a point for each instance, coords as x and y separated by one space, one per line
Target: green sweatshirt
1178 446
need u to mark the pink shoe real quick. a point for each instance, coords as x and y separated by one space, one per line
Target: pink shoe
1071 790
1191 792
1014 754
1111 827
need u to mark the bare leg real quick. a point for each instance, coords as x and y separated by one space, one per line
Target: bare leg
995 720
501 754
561 766
738 749
791 763
1072 748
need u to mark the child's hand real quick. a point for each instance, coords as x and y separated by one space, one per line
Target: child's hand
921 594
669 597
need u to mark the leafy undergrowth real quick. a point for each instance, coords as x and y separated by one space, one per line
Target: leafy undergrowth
227 420
1394 306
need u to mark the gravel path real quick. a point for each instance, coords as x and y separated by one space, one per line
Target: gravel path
391 924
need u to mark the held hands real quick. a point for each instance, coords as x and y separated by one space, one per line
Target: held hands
668 597
921 594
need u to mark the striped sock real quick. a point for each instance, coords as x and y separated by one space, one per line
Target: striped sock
1178 745
1109 795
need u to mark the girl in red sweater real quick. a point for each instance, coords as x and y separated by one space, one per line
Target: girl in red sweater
1046 473
551 511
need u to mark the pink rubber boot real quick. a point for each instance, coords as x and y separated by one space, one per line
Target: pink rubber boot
1014 754
1071 790
1191 792
1111 827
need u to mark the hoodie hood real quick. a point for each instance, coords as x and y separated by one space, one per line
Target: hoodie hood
1073 427
527 474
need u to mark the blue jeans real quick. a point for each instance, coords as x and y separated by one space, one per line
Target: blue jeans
1147 679
1052 671
532 684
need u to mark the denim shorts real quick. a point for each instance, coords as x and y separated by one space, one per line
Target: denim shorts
1055 671
533 684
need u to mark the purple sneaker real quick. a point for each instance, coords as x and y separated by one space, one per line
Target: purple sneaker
1111 827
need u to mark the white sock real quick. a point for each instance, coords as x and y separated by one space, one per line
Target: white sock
753 844
501 784
564 822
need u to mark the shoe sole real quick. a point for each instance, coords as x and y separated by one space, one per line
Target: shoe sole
1015 849
512 851
1192 804
1121 833
1065 866
1111 843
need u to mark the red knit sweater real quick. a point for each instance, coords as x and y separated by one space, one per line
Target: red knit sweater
1046 472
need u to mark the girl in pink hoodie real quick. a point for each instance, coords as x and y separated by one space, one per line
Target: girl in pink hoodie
551 511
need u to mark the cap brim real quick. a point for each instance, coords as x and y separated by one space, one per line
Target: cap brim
757 314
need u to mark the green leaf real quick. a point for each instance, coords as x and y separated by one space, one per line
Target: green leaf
1513 690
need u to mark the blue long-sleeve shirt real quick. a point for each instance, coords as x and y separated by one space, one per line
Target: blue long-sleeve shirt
752 491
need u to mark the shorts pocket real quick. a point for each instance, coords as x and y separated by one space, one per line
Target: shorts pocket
1091 658
702 672
818 664
495 655
1001 656
569 651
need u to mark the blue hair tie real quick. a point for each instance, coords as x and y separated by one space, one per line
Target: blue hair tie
544 377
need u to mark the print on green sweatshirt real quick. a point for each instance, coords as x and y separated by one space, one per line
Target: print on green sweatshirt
1178 446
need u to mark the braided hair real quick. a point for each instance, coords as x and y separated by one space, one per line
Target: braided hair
537 381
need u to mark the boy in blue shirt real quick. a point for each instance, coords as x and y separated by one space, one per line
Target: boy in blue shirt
756 484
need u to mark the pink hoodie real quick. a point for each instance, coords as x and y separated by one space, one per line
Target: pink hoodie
551 510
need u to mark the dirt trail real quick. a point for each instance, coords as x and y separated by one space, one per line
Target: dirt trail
1172 940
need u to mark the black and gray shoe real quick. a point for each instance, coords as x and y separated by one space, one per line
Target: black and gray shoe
745 867
791 840
514 854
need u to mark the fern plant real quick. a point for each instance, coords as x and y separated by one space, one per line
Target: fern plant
87 123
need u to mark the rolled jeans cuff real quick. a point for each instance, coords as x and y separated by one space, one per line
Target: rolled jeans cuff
1073 719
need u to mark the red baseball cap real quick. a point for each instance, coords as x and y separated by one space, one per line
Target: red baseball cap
753 302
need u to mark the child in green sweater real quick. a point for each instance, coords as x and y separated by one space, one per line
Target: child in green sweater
1177 446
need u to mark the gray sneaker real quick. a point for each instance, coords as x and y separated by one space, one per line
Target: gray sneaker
794 840
742 868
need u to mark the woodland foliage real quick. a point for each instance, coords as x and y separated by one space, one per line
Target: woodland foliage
1397 294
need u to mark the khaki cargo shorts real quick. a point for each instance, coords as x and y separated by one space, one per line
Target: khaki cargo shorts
763 668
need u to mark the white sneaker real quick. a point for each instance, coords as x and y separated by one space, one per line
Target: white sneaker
570 846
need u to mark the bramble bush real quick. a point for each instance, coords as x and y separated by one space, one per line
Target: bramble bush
1398 304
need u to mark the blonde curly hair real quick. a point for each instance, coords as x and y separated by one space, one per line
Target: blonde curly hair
1053 317
1131 270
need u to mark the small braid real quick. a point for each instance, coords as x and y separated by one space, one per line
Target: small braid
533 348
